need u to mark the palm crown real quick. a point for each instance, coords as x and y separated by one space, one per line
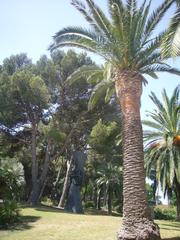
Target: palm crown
124 40
163 148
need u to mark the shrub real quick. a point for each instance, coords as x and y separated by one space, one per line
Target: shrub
9 212
48 201
89 204
164 213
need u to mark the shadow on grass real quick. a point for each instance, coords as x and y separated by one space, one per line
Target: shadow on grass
172 224
173 238
44 208
89 211
101 213
23 223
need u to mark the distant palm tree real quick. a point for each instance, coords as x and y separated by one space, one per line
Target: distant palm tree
109 178
125 42
171 41
163 143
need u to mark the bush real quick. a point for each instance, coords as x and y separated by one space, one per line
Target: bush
89 204
48 201
9 212
164 213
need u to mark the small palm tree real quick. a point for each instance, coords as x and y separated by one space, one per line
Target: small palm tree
171 41
109 178
125 42
163 143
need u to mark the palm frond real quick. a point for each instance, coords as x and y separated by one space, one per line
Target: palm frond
171 42
100 18
156 17
152 124
99 91
160 67
83 72
82 9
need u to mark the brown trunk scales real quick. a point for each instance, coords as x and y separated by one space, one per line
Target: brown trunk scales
137 222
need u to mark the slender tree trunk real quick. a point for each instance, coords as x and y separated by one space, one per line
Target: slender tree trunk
38 184
109 200
33 199
66 185
98 203
177 192
47 160
105 197
95 195
137 222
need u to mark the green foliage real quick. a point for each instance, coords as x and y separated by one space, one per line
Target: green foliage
165 213
9 212
31 89
11 179
89 204
16 62
150 194
104 137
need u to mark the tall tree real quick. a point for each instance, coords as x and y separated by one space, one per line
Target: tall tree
125 41
28 98
163 143
16 62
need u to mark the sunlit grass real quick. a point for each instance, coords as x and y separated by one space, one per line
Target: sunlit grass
48 224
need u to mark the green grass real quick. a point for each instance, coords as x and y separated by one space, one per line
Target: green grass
47 224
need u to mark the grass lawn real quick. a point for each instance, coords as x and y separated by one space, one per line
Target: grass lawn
49 224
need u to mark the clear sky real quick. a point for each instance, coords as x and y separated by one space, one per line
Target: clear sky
28 26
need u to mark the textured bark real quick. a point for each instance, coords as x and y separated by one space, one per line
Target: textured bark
38 184
177 192
137 223
66 185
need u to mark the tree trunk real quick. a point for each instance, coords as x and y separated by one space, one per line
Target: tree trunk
66 185
47 160
38 184
137 222
98 203
177 192
33 199
109 200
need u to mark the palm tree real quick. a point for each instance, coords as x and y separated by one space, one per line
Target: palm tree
109 178
125 42
171 41
163 143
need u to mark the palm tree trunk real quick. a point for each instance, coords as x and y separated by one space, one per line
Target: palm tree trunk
177 192
137 222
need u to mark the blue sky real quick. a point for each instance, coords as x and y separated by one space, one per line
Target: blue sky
28 26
